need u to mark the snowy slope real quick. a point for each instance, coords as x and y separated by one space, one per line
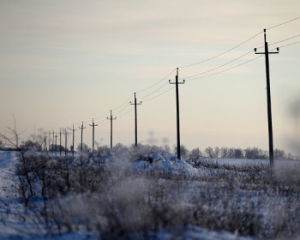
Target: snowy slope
165 162
13 227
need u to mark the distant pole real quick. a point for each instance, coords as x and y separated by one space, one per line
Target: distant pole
269 106
55 143
73 141
66 141
135 114
93 125
45 143
177 111
60 142
111 128
49 141
81 137
52 141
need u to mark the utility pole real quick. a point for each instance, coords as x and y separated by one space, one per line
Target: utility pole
45 139
93 139
49 141
52 141
81 128
66 141
111 128
177 111
135 114
269 107
60 142
73 141
55 143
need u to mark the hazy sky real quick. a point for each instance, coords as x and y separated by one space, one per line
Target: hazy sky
64 62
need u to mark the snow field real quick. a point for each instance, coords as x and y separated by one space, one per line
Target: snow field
147 196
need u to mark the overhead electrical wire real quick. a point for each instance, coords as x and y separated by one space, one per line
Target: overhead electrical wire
290 44
151 86
220 54
160 87
228 69
286 39
148 97
156 96
215 68
283 23
122 115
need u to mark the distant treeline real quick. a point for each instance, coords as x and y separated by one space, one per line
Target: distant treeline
248 153
216 152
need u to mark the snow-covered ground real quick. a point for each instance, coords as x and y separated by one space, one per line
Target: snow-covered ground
18 222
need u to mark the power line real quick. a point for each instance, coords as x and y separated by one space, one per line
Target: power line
286 39
166 83
150 96
145 89
247 40
283 23
148 99
213 69
287 45
220 54
126 112
227 69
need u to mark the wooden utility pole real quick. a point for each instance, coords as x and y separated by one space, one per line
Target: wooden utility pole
55 143
52 141
81 137
177 112
93 125
269 106
73 141
45 140
135 114
66 141
60 142
49 140
111 128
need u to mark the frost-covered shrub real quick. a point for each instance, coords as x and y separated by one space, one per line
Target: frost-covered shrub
113 200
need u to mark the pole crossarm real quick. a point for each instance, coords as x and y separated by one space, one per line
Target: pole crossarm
269 105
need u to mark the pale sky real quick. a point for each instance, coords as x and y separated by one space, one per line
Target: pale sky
64 62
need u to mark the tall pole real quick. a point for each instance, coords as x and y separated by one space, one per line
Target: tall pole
73 141
135 116
49 141
93 125
81 137
269 106
111 128
52 141
66 141
60 142
45 143
177 112
55 143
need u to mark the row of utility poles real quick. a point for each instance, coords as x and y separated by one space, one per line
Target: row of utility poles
136 103
54 141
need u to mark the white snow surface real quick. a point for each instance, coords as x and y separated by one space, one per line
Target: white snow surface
165 162
12 227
